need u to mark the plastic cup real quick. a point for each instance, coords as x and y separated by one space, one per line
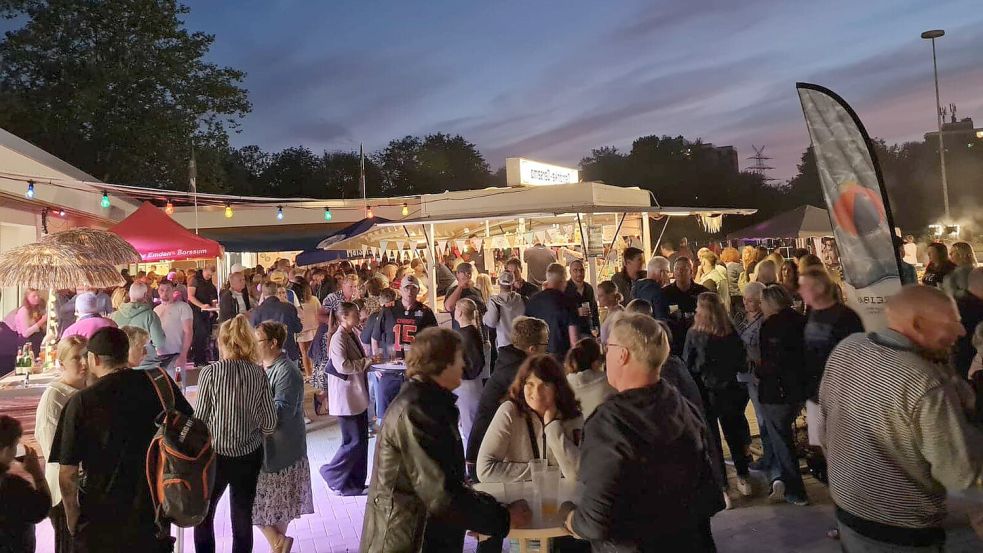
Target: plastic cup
550 491
514 491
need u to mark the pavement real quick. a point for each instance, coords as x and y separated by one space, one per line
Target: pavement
753 525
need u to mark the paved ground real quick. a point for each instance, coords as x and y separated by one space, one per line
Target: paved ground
752 526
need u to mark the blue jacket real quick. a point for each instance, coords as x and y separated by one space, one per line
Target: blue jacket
272 309
651 291
288 443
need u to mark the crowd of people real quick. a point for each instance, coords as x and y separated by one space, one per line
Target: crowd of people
630 389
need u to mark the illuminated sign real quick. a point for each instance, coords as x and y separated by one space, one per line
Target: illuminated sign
525 172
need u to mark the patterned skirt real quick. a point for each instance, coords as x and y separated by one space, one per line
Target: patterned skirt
283 496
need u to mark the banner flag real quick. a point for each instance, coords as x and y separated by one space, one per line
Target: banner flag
860 213
383 244
400 244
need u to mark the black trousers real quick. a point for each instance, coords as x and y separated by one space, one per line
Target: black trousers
201 333
64 543
346 473
727 406
239 474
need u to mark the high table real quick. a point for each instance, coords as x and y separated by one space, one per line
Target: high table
543 527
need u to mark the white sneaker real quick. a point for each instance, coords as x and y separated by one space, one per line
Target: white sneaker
307 420
744 487
728 505
777 492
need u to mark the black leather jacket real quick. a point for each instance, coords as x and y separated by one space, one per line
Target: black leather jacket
418 500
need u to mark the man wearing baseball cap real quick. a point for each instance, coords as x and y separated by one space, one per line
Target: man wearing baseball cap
395 331
112 510
464 288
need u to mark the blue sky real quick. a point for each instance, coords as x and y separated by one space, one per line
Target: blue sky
552 79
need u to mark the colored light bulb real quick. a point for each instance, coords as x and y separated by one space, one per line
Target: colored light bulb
327 214
228 211
406 210
30 191
105 200
169 208
279 213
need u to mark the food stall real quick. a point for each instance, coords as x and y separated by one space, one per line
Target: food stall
161 240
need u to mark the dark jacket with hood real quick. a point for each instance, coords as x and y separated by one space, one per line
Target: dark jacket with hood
645 481
782 377
506 367
418 500
651 291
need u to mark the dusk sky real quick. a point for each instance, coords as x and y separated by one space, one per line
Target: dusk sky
550 80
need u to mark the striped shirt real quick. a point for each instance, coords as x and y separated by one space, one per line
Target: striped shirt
896 436
235 401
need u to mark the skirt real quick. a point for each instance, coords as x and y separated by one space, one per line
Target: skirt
283 496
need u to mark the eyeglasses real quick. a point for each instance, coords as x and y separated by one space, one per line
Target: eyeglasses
608 346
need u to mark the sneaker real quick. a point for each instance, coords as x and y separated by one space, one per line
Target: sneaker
728 505
777 492
744 487
800 501
307 420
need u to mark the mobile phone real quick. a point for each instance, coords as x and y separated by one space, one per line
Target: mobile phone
20 453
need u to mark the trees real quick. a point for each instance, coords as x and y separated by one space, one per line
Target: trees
431 165
119 89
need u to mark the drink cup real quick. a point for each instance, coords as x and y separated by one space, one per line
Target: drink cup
550 491
514 491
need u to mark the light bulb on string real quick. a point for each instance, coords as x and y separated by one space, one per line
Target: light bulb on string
228 211
105 200
406 209
30 190
279 213
368 212
61 212
169 208
327 214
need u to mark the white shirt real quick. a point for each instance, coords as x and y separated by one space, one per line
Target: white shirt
240 300
911 253
172 316
53 400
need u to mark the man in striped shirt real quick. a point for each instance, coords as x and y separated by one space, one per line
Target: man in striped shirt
896 433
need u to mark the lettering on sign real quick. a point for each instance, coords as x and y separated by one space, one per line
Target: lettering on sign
525 172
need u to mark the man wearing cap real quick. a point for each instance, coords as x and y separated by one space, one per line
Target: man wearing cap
110 510
89 320
464 288
396 330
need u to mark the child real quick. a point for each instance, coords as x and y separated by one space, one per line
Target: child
469 392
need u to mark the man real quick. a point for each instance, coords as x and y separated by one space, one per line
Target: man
321 286
648 485
538 258
272 309
529 337
580 293
109 509
201 295
140 313
464 288
445 278
395 333
896 436
520 285
650 287
668 250
89 320
680 301
626 277
349 286
235 299
475 253
971 313
554 307
177 320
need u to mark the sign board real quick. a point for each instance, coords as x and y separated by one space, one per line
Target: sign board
525 172
595 241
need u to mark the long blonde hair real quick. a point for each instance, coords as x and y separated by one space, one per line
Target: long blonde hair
69 343
961 253
483 283
468 309
237 339
711 316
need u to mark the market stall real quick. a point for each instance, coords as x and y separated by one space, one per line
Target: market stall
159 238
803 227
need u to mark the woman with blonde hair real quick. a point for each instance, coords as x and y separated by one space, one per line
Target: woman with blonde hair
30 318
476 358
119 297
715 354
749 260
236 403
766 272
956 283
715 277
483 282
138 338
307 309
731 260
74 374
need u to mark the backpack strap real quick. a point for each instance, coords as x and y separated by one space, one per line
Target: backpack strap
162 385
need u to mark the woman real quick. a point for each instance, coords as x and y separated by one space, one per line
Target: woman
307 310
789 278
585 376
235 402
749 260
956 283
326 326
74 371
809 260
475 359
283 490
609 301
138 345
731 259
766 272
781 381
503 309
119 297
750 332
939 265
31 318
540 419
348 400
700 272
483 283
24 496
405 512
715 278
715 355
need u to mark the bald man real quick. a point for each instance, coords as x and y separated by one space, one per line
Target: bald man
896 435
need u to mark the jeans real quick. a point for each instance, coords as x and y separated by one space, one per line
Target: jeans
347 471
852 542
239 474
783 463
727 406
468 395
752 392
387 390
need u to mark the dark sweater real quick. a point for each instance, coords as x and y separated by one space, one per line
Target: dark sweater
824 329
506 367
781 374
21 507
474 354
714 360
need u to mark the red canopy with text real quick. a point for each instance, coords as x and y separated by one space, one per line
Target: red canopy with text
159 238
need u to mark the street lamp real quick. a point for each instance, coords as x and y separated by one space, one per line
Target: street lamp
932 35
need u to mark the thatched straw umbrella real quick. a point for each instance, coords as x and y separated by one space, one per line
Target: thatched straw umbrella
96 245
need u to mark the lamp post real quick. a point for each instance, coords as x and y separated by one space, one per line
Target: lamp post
932 35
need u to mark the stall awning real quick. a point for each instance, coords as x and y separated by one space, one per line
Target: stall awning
159 238
802 222
272 238
655 212
313 257
353 230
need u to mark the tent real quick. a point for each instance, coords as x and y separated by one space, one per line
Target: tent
802 222
313 257
159 238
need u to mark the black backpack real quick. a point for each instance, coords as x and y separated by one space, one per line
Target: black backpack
180 461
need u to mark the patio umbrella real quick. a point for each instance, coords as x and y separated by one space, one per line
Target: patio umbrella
96 245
